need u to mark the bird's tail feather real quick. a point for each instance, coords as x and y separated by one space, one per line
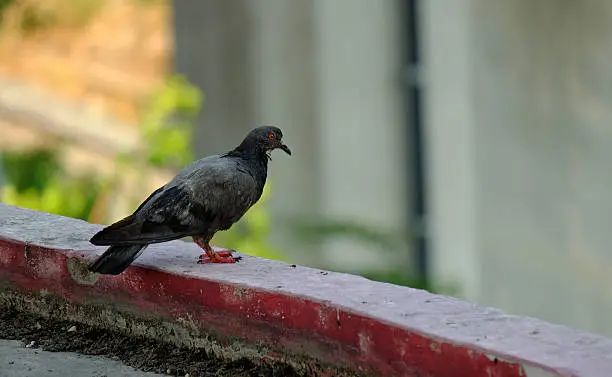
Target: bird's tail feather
116 259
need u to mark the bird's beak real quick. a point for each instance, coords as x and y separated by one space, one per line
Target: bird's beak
285 148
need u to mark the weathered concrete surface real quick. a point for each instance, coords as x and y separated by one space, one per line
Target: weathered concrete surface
18 361
288 312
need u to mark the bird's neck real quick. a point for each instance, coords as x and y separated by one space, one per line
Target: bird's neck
249 150
252 155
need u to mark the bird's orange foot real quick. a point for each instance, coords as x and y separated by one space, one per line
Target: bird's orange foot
221 253
218 257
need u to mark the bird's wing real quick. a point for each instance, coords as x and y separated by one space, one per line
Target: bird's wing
208 195
168 214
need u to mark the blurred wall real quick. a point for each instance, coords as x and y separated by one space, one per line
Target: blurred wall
520 144
327 73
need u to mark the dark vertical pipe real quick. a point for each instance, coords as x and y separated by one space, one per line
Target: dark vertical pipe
414 124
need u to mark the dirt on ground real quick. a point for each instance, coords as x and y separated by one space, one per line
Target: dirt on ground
140 353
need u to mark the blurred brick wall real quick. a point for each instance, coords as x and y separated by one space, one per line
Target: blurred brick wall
107 54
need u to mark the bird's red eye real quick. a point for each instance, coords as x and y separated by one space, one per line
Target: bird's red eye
270 136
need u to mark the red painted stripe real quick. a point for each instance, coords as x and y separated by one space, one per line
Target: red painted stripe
288 324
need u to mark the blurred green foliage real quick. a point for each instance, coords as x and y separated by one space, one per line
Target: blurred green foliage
30 170
36 180
167 123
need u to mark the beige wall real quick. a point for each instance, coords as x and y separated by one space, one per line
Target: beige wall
520 145
361 125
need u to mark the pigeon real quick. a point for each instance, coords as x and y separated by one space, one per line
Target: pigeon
208 195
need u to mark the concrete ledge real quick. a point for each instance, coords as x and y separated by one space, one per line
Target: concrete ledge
324 323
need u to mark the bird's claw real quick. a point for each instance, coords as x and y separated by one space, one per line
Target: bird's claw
219 260
221 253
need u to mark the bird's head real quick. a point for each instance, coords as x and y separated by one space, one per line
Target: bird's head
266 138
